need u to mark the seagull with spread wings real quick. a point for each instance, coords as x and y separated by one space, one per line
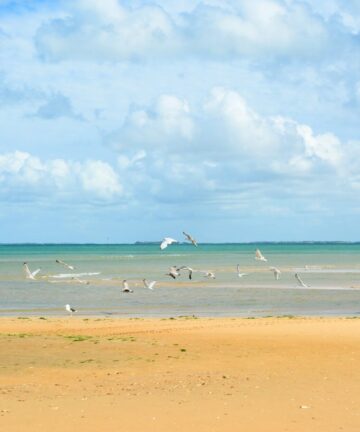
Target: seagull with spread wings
189 269
259 256
28 273
149 285
166 242
173 272
190 238
239 272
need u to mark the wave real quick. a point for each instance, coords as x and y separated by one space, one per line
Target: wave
72 275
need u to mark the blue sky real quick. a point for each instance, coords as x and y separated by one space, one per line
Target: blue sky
132 120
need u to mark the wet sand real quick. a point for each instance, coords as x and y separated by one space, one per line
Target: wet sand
220 374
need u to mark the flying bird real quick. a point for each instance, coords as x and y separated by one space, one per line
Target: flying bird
276 272
189 269
69 309
208 274
239 273
149 285
166 242
298 278
190 238
173 272
65 264
28 273
259 256
126 288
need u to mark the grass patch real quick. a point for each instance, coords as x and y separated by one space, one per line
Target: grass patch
19 335
182 349
122 338
78 338
42 318
23 318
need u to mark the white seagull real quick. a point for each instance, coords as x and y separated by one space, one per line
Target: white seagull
173 272
208 274
239 273
190 238
69 309
166 242
276 272
297 277
28 273
65 264
189 269
149 285
126 288
259 256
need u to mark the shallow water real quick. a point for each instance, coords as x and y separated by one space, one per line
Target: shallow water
332 272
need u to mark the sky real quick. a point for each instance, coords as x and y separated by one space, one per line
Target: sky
127 121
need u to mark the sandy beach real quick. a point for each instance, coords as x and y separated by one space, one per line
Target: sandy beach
266 374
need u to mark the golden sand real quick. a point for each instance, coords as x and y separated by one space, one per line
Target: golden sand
268 374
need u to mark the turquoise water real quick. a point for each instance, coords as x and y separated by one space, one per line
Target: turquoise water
332 272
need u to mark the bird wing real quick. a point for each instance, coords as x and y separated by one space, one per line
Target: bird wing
298 278
27 271
164 244
238 268
151 284
188 236
125 285
34 273
258 254
65 264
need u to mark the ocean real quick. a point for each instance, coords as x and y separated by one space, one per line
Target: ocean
330 270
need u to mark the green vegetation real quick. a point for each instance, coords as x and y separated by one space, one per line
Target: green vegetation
19 335
78 338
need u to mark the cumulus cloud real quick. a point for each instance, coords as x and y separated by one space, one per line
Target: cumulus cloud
109 31
27 177
231 148
215 104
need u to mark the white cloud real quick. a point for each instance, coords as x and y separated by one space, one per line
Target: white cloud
325 146
108 31
99 178
23 175
169 120
232 148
